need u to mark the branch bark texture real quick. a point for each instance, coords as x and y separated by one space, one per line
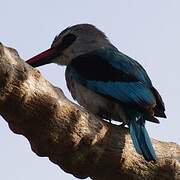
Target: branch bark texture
77 141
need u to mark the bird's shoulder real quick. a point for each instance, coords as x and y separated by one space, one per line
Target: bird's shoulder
110 64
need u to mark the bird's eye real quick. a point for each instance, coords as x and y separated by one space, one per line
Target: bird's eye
68 40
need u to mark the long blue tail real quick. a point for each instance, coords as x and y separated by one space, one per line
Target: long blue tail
141 140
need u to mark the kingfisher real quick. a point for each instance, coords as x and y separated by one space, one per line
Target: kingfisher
106 82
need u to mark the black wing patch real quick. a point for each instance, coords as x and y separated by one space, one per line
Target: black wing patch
92 67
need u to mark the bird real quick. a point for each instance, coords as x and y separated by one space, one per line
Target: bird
106 82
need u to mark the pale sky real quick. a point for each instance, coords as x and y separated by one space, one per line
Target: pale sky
148 31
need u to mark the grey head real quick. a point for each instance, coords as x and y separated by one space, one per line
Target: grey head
70 43
79 39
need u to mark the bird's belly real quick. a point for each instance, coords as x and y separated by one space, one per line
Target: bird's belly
96 103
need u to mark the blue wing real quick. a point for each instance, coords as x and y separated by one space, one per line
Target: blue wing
124 63
134 93
115 75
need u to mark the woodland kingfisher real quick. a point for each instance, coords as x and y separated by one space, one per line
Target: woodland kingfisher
106 82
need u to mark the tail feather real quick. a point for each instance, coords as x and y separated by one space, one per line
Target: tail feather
134 135
141 139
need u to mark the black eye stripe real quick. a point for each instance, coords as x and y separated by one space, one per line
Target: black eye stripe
67 41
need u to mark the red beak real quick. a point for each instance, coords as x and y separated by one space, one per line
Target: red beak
43 58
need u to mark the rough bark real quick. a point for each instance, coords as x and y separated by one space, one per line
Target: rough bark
79 142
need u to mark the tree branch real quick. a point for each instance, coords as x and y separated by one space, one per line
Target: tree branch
79 142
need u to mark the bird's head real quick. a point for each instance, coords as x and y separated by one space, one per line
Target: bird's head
70 43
